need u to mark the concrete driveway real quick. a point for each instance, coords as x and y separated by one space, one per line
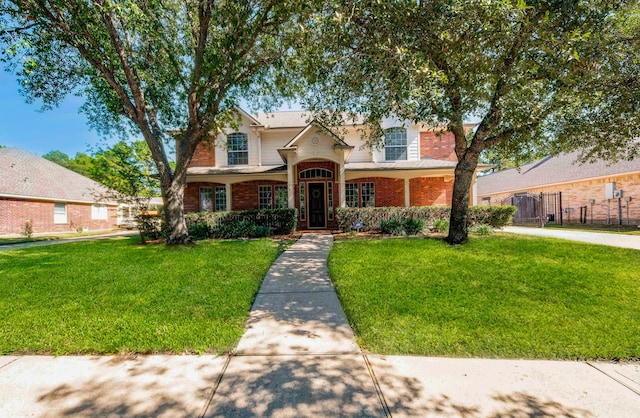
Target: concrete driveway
612 240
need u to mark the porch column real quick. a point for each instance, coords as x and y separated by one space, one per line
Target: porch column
227 187
342 202
291 185
407 192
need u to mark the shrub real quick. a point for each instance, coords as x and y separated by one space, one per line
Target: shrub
150 227
441 225
391 227
483 229
27 231
241 224
371 218
413 226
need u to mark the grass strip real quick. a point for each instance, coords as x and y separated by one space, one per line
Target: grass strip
496 297
112 296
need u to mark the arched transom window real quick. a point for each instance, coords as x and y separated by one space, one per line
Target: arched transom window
395 144
237 148
316 173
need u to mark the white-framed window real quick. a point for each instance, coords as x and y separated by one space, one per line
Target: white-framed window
237 148
395 144
220 199
264 197
368 195
360 195
99 212
316 173
280 196
351 193
60 213
206 203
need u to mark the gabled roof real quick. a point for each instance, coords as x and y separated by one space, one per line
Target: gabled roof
26 175
561 168
338 141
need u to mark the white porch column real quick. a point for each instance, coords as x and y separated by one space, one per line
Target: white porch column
343 194
227 187
291 185
407 192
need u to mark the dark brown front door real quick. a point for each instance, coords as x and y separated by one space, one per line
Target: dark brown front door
317 215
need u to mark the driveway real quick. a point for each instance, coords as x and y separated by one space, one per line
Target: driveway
8 247
612 240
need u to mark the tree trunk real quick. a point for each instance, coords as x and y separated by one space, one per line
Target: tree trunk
175 224
464 172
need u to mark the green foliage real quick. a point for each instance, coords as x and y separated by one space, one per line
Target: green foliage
413 226
441 225
154 68
115 296
482 229
391 227
372 218
496 297
150 227
244 224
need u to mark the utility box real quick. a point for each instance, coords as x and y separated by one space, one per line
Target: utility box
608 190
617 194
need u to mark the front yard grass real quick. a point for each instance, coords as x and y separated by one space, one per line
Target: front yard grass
112 296
501 296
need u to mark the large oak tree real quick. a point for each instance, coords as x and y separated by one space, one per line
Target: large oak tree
524 69
151 66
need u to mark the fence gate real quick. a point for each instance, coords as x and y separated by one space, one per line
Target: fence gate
536 208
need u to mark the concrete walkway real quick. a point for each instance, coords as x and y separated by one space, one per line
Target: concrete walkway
612 240
298 358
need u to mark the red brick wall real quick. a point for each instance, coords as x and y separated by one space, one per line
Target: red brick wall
428 191
244 196
577 194
204 155
389 192
192 195
14 213
440 147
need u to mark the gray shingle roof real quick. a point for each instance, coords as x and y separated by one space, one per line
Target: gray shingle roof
551 170
23 174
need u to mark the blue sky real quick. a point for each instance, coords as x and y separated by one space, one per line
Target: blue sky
24 126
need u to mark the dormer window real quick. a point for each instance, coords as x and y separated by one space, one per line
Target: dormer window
237 148
395 144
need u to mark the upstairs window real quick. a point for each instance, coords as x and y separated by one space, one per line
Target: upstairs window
237 149
395 144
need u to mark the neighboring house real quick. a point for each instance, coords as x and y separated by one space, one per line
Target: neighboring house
281 159
51 197
571 192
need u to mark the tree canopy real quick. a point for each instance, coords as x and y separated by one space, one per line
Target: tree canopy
151 67
523 69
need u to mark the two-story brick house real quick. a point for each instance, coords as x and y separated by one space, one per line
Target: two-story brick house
281 159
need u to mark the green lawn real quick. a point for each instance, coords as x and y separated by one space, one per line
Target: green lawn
112 296
48 237
499 296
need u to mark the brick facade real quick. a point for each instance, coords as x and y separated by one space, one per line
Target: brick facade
244 196
389 192
15 212
192 195
578 194
428 191
441 146
204 155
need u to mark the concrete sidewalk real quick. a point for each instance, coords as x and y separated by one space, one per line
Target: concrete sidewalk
612 240
298 358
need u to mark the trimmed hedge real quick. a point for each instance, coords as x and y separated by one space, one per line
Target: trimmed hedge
495 216
241 224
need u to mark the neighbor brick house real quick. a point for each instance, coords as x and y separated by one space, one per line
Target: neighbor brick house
285 159
50 197
585 189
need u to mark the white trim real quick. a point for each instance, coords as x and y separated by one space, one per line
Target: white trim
51 199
